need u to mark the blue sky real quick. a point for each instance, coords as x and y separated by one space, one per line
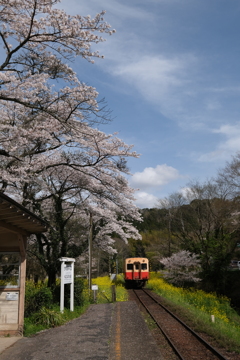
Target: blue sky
171 78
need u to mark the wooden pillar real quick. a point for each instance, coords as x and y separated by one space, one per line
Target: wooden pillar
22 245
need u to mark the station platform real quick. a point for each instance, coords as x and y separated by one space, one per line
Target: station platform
105 332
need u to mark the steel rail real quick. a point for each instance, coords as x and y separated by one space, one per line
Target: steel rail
159 326
204 342
210 347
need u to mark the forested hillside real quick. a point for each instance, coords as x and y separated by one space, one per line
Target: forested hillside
202 219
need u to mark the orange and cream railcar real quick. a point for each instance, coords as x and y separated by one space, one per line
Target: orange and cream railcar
136 272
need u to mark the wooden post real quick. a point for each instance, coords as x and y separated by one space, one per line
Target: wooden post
113 293
62 287
22 245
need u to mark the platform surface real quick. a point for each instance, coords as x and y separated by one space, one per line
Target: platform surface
105 332
6 342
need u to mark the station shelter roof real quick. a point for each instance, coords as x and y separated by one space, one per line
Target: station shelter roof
14 215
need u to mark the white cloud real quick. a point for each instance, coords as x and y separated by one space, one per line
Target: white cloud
113 8
171 84
154 177
145 200
229 130
187 193
229 146
155 76
153 71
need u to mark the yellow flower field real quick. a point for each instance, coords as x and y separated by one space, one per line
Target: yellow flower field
208 303
105 289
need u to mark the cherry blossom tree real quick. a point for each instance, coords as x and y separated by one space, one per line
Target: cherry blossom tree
206 222
67 203
181 268
53 156
38 116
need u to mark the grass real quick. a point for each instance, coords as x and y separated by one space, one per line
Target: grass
48 318
196 307
30 328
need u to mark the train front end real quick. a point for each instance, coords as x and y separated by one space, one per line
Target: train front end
136 272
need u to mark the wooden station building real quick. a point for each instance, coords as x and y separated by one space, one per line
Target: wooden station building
16 225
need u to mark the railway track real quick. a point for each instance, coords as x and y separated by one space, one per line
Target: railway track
186 343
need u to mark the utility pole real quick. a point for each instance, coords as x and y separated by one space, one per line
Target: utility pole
90 253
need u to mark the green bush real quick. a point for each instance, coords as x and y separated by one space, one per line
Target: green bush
79 297
42 305
36 298
80 285
48 317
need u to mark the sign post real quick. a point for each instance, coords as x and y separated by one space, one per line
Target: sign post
90 253
67 277
95 289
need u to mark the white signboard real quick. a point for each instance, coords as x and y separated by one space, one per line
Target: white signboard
67 277
67 273
11 296
94 287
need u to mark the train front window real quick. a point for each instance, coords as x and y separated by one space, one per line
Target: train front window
137 266
129 266
144 266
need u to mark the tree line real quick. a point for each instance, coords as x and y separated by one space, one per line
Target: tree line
203 219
